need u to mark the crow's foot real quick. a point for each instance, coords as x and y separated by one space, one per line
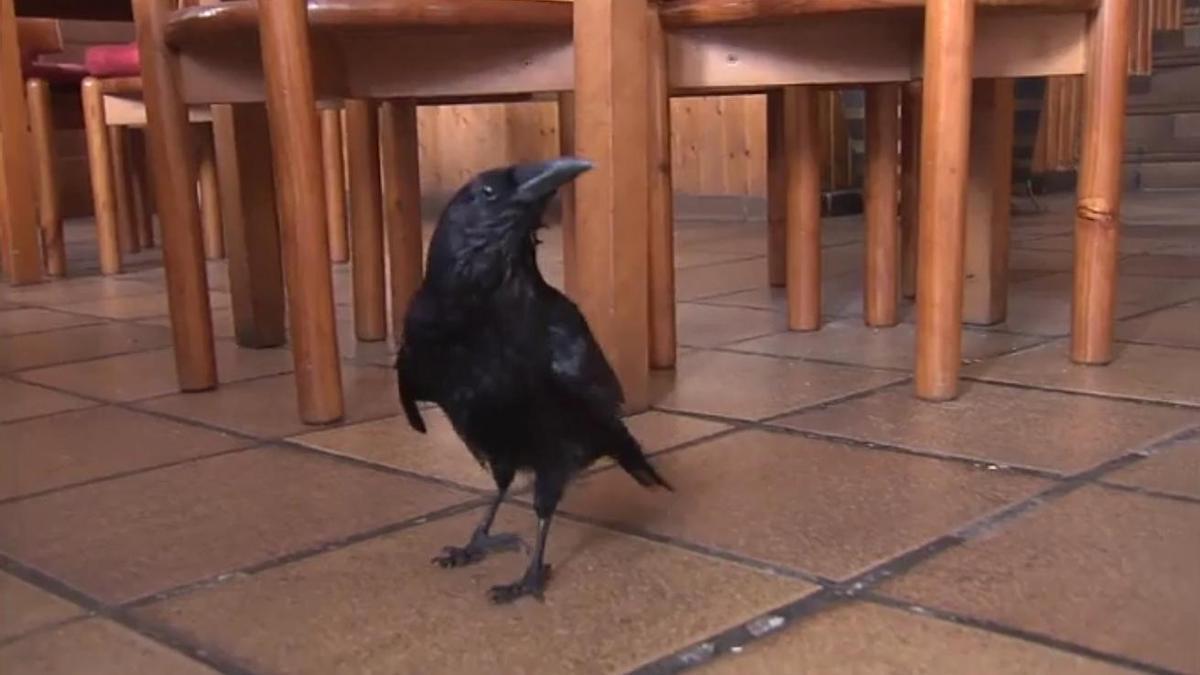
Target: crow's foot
532 584
477 549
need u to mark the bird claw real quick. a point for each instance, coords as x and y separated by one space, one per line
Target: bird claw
533 584
477 549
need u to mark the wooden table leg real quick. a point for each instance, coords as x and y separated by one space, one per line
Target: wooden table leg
989 201
1097 214
777 188
366 219
802 147
100 170
881 293
945 136
910 186
174 179
118 155
296 142
21 251
566 194
139 178
241 136
210 194
401 204
41 123
335 184
612 129
662 214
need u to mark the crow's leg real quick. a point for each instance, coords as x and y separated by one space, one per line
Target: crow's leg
482 540
547 494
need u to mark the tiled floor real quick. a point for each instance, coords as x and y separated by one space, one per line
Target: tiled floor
1047 521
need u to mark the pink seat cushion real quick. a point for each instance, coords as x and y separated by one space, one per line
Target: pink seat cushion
55 73
112 61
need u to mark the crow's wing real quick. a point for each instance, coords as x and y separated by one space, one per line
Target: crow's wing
577 365
408 387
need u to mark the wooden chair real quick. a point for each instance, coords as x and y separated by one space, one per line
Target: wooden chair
292 55
790 47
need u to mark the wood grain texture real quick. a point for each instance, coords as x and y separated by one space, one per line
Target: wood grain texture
41 125
399 147
366 221
662 215
332 160
882 274
803 237
19 245
985 285
100 168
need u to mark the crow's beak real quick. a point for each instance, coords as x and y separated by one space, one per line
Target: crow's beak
539 181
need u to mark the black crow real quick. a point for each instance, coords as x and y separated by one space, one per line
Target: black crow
510 359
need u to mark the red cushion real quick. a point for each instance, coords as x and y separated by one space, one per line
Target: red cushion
113 61
55 73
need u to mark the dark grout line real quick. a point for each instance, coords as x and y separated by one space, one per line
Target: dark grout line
1148 492
379 466
1153 403
46 628
1148 343
1014 632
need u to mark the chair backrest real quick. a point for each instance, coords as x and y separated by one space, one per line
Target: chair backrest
38 36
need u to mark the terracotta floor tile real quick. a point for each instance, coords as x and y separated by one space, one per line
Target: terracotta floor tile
1041 260
1138 371
76 344
808 504
1174 469
26 608
1066 242
152 373
841 296
64 291
699 282
96 647
136 306
749 386
710 326
1178 326
1004 425
441 454
869 639
222 322
35 320
1109 570
72 447
849 341
380 607
19 400
1162 265
129 537
266 407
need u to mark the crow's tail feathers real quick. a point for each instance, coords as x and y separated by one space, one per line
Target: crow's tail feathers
630 457
406 400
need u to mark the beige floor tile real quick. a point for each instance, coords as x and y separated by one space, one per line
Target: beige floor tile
76 344
841 296
222 322
862 639
1174 469
19 400
850 341
1178 326
441 454
35 320
750 386
96 647
699 282
1105 569
72 447
267 407
1005 425
136 306
129 537
380 607
808 504
147 374
26 608
1138 371
710 326
1162 265
66 291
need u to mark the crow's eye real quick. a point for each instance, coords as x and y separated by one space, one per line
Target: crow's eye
489 192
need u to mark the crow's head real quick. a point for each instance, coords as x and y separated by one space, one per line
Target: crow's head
490 223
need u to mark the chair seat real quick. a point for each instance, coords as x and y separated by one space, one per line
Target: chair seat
112 61
55 73
201 22
694 13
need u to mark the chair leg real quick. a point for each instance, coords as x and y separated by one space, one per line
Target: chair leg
22 257
985 284
100 170
41 123
366 217
241 138
910 186
881 293
139 179
402 204
210 194
611 214
1097 214
777 185
662 221
802 148
118 153
566 194
174 179
335 186
296 142
945 136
